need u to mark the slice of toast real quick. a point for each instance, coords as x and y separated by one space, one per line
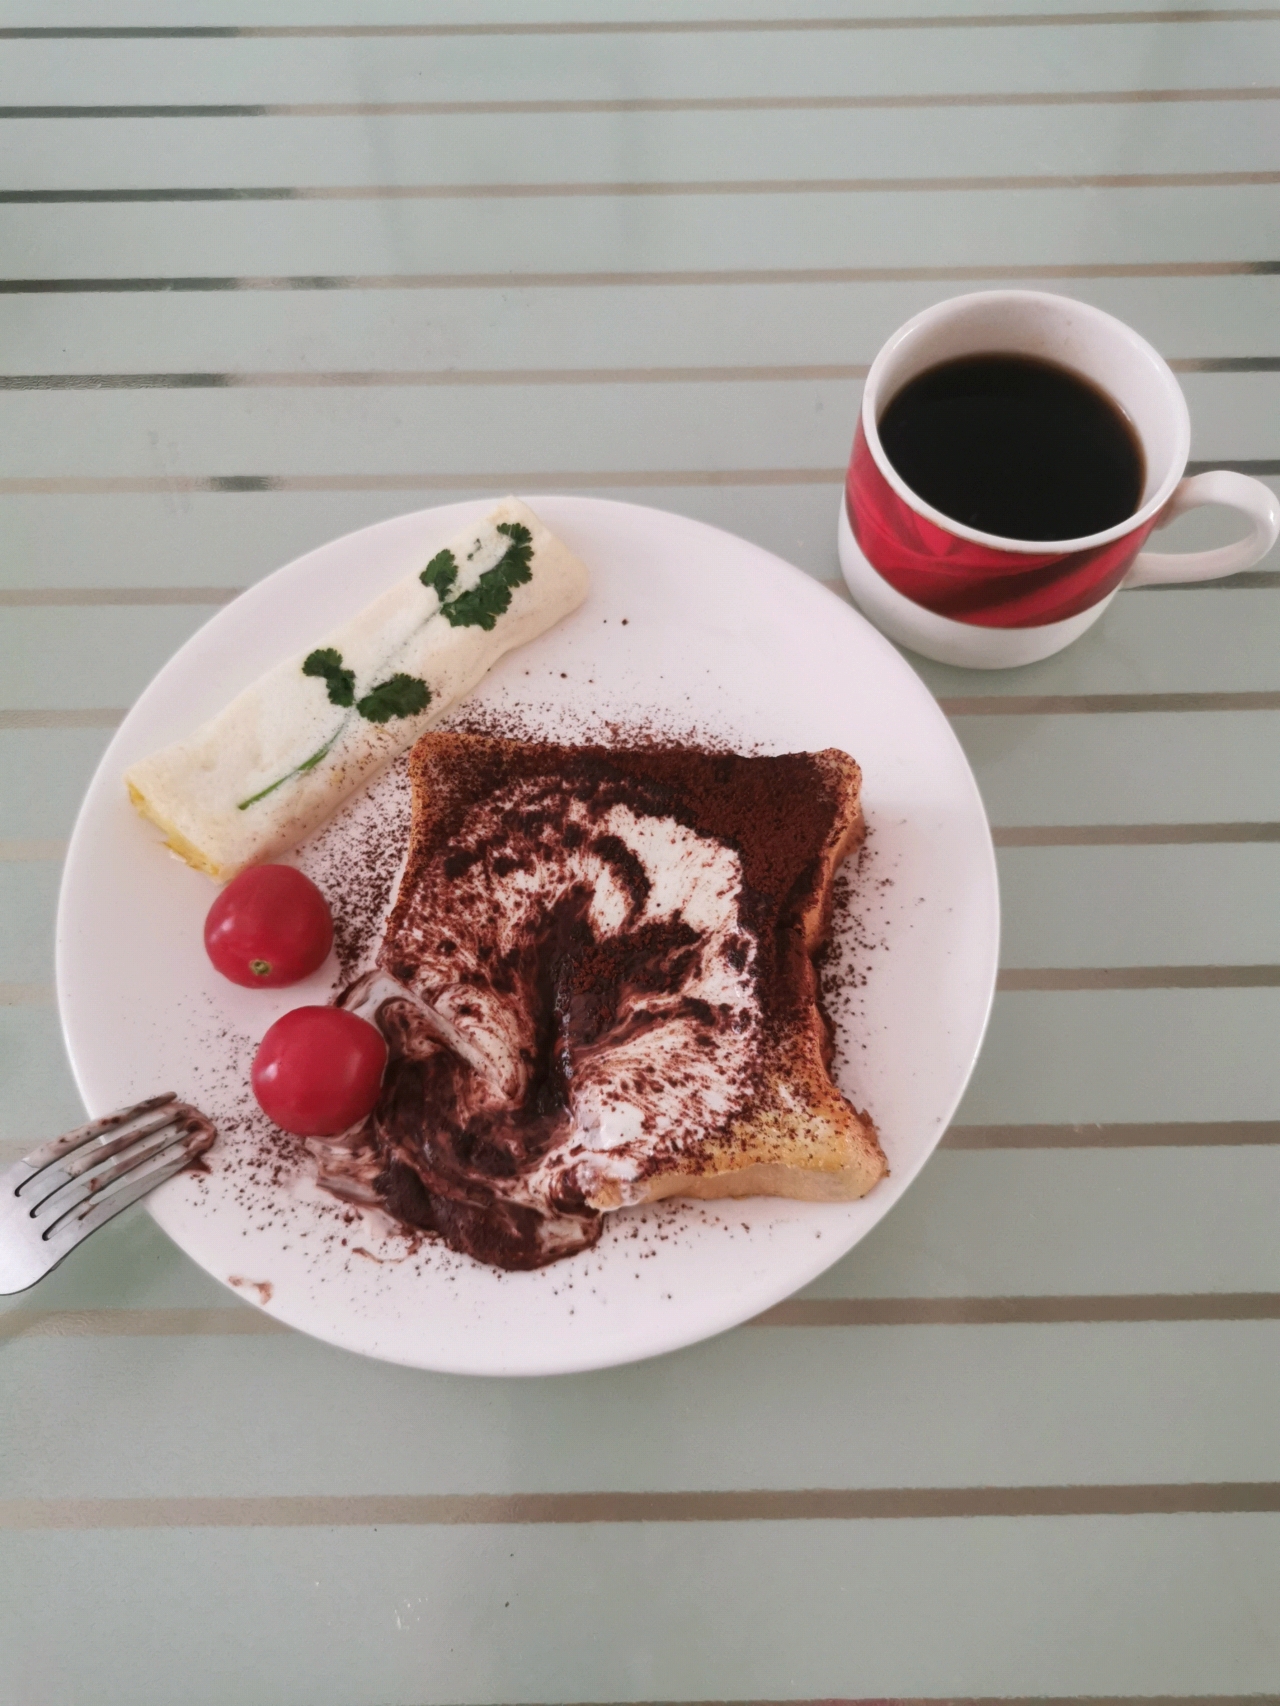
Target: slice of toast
599 989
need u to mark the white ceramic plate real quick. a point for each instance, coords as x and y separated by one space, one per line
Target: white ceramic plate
720 637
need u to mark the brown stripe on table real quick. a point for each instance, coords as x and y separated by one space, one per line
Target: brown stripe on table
230 1321
84 597
1172 1134
990 1700
1104 704
77 596
1016 1311
995 274
1045 979
1132 834
100 718
1037 1311
527 480
653 187
997 1700
98 485
26 994
1251 579
23 848
479 376
645 104
712 26
431 376
818 1504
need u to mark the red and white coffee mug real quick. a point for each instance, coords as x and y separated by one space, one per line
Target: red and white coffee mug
966 597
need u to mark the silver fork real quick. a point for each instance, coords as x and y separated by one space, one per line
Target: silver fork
52 1199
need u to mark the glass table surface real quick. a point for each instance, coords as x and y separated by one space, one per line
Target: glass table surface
275 271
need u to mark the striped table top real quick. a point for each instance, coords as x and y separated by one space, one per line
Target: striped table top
274 270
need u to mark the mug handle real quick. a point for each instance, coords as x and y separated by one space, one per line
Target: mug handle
1233 491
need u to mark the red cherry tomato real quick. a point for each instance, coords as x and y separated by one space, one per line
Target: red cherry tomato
318 1070
269 926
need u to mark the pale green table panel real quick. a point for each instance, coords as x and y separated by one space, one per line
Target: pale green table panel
507 335
106 656
664 65
1198 639
28 894
1128 1055
666 1611
43 775
457 435
912 1406
642 148
1138 767
1021 1443
607 235
1144 1228
441 19
1127 906
39 1094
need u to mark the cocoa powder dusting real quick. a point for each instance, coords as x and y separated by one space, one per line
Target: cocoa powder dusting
359 889
492 817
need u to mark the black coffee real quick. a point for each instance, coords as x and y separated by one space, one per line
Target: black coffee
1015 446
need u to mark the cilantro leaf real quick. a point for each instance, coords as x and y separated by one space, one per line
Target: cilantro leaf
440 573
341 683
398 696
521 545
491 595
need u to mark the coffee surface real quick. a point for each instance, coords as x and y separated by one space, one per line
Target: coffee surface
1015 446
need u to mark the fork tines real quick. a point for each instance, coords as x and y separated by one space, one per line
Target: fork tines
74 1183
